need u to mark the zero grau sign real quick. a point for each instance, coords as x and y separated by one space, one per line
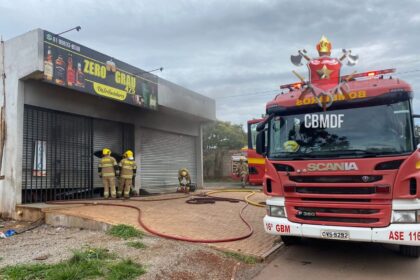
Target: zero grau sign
77 67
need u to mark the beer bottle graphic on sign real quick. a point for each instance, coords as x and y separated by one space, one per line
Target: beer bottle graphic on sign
60 70
80 76
70 71
48 66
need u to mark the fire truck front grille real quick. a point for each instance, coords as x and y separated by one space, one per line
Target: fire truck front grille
358 215
342 220
336 179
336 190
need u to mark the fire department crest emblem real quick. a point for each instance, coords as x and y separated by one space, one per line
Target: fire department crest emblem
324 73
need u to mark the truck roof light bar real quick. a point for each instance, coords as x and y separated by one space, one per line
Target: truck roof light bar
293 86
370 74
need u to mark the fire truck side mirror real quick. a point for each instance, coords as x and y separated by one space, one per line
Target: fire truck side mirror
416 122
260 145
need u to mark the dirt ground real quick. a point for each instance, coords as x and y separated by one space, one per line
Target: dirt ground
163 259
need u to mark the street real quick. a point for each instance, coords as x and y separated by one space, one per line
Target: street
319 259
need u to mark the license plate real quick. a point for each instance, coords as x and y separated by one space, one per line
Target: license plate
335 234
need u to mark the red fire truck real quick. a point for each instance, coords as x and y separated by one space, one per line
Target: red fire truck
342 160
256 162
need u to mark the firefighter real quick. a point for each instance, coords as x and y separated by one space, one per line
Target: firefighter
128 170
107 170
242 171
184 179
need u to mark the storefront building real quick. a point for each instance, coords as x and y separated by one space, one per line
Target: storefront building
62 102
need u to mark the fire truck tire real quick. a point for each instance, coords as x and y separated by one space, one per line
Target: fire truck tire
290 240
410 251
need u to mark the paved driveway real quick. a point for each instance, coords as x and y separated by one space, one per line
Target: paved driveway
317 259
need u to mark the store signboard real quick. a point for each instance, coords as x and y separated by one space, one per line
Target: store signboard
75 66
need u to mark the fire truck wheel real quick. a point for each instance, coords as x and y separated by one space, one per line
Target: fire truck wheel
410 251
290 240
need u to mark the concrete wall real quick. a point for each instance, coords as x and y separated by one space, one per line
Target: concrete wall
23 57
180 110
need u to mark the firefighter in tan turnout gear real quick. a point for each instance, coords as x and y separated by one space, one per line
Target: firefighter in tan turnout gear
128 170
242 171
107 170
184 179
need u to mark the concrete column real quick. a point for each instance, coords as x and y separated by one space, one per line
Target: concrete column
22 58
137 154
199 152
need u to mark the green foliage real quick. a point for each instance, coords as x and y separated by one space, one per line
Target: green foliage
125 231
224 136
125 270
218 138
92 263
136 244
242 258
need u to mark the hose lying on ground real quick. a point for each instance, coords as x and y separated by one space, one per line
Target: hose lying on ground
155 232
251 191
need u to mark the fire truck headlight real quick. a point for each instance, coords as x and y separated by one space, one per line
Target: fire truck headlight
404 217
276 211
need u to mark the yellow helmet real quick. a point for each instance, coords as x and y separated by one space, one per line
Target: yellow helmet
183 172
106 152
128 154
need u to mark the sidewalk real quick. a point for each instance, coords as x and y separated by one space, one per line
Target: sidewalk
175 217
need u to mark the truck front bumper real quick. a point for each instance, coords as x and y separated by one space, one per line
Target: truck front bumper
402 234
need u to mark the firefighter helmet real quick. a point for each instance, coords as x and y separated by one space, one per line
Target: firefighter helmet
106 152
183 172
129 154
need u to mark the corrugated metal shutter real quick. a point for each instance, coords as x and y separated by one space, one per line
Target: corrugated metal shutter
162 154
106 134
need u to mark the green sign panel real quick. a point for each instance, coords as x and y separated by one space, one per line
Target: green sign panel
74 66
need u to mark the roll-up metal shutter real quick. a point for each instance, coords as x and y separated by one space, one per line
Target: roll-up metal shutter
162 154
106 134
112 135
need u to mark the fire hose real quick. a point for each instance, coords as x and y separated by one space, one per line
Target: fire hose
206 198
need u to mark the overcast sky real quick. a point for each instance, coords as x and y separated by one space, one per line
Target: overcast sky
237 52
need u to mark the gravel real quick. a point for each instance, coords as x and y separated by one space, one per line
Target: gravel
163 259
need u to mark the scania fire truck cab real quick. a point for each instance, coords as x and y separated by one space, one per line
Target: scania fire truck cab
343 165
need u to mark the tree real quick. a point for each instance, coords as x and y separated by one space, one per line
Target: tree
218 138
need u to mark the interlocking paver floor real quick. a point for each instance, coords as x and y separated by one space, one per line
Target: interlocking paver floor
206 221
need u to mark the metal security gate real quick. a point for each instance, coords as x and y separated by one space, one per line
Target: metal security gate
58 161
162 154
57 156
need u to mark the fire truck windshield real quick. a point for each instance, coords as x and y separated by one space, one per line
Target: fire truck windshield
353 132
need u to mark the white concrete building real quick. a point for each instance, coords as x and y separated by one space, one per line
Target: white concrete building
63 101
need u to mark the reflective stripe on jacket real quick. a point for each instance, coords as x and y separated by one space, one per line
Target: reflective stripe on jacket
107 164
127 168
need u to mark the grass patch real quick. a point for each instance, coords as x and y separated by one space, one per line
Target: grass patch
125 232
242 258
136 244
125 269
88 264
